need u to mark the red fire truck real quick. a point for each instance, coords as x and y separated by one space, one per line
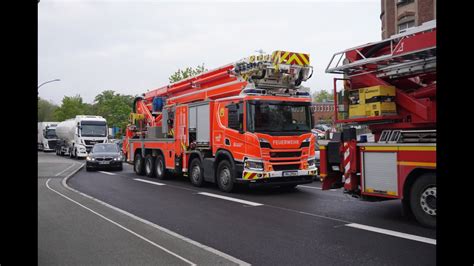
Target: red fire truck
389 86
246 122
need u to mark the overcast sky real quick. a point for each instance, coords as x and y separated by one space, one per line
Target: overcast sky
133 46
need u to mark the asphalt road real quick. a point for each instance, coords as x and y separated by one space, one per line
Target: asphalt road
74 229
303 226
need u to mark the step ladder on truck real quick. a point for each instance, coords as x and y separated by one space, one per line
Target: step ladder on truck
390 86
247 122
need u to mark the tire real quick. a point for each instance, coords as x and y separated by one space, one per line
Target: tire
149 166
88 169
160 167
120 168
225 176
196 175
423 199
138 165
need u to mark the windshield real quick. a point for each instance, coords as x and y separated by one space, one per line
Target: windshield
105 148
51 134
94 130
278 117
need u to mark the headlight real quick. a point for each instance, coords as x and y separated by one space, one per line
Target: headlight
264 143
88 158
254 165
118 158
312 162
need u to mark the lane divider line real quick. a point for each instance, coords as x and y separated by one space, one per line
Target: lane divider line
150 182
230 199
122 227
65 170
107 173
181 237
393 233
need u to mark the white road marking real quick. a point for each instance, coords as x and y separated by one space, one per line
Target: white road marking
309 187
151 182
393 233
316 188
108 173
121 226
185 239
64 170
231 199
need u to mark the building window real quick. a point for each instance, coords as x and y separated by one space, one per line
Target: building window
402 27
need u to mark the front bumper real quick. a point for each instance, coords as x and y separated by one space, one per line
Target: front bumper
256 178
110 164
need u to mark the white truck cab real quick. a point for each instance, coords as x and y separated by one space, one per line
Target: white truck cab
47 138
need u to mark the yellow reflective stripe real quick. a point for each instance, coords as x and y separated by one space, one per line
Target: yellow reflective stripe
294 58
417 164
285 55
398 148
322 147
381 148
304 58
417 148
371 190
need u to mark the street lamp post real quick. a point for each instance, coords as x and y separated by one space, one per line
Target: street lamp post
48 82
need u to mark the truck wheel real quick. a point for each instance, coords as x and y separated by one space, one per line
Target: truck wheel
138 164
149 165
195 173
423 199
225 176
160 168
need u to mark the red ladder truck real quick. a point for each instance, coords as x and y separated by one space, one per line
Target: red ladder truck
246 122
390 87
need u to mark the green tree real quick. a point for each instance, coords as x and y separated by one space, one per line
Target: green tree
70 107
322 96
46 110
115 108
186 73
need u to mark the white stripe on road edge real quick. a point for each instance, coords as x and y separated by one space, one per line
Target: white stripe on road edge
64 170
121 226
231 199
185 239
309 187
151 182
108 173
393 233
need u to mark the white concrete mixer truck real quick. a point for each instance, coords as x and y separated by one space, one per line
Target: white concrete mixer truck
78 135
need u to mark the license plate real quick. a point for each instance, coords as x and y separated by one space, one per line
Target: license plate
104 162
292 173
